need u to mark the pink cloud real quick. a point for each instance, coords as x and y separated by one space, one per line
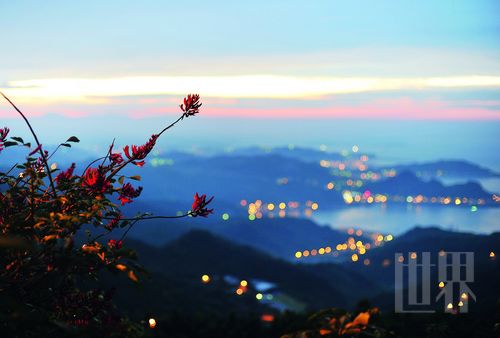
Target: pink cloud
403 108
398 108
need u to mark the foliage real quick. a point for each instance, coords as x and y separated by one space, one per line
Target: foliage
48 277
339 323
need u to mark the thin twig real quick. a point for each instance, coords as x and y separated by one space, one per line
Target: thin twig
128 229
37 143
109 152
94 161
148 217
54 152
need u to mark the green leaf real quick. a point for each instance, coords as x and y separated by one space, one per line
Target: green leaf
66 145
136 177
121 179
73 139
9 144
18 139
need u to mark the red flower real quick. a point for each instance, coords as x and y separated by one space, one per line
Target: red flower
191 105
3 135
140 153
113 223
116 158
199 206
95 179
112 243
128 192
65 176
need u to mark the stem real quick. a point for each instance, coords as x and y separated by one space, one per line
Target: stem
5 175
109 152
149 217
94 161
171 125
128 229
37 143
54 152
114 172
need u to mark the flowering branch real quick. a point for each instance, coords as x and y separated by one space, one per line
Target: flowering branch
30 212
190 107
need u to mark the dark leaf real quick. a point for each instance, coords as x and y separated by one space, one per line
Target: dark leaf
73 139
9 144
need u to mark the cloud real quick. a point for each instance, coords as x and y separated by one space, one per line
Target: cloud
246 86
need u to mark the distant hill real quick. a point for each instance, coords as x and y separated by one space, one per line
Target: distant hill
277 237
275 178
448 169
265 177
408 184
295 152
434 240
177 268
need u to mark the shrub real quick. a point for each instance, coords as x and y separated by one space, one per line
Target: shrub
47 280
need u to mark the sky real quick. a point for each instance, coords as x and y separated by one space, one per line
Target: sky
90 61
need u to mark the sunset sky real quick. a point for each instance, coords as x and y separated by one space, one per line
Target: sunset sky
259 66
418 60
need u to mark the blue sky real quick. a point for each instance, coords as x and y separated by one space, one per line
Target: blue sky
89 62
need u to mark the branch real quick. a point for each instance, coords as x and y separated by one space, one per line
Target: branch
37 143
149 217
114 172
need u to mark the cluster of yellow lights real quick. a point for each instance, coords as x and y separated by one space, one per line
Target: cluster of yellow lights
378 239
351 197
242 288
441 200
258 209
463 298
351 244
354 196
313 252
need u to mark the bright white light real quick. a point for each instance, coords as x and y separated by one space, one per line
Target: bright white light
254 86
